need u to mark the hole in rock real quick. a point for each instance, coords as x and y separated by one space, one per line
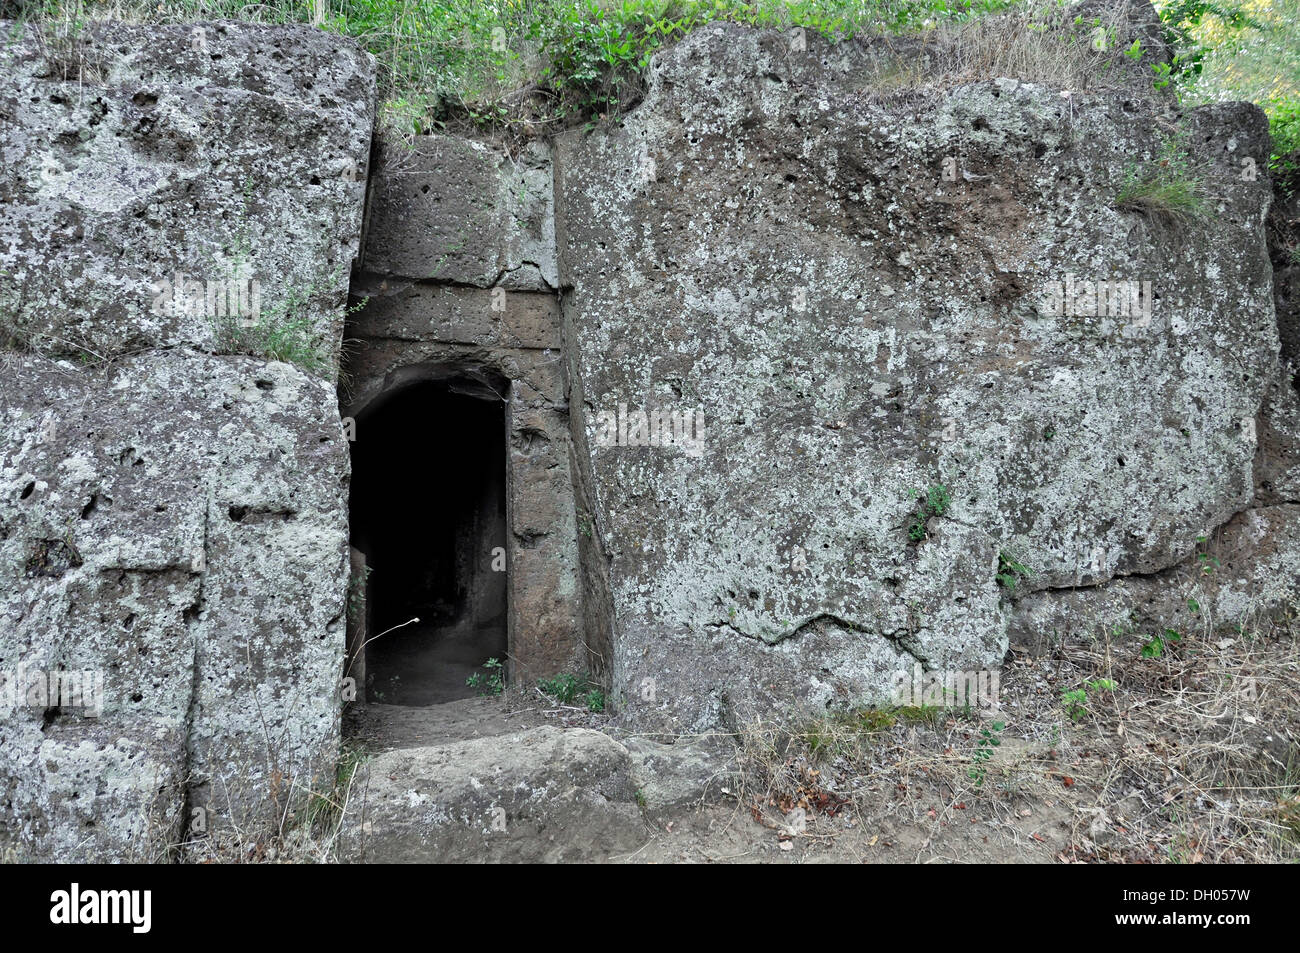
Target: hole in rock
428 506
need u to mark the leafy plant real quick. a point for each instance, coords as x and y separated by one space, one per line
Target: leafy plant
567 689
1284 158
1185 23
1226 50
563 688
1208 563
984 750
1161 644
934 502
489 682
1075 701
1163 75
1011 571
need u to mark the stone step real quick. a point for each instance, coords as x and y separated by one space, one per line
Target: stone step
544 794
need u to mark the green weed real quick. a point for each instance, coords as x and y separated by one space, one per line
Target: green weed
492 681
933 502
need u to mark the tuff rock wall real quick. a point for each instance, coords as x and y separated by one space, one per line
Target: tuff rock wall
844 292
172 514
854 289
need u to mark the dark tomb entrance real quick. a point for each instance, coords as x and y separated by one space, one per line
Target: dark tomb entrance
428 510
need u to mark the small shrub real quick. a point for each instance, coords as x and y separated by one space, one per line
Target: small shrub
567 689
1284 160
564 688
1075 701
1162 644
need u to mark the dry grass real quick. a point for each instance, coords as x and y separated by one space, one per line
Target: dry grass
1035 43
1192 757
307 829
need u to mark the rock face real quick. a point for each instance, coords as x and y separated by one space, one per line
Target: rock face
186 185
177 524
804 382
173 523
456 211
862 298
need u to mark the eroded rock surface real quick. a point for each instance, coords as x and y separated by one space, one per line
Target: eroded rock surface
542 795
177 524
151 174
855 292
453 210
847 297
173 522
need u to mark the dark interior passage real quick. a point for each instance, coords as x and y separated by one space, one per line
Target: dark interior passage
428 509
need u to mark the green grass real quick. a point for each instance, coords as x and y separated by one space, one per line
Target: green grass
1168 188
287 330
531 64
323 811
567 689
846 732
1288 802
1157 194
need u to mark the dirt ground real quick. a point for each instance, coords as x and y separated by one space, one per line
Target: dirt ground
1188 757
1123 750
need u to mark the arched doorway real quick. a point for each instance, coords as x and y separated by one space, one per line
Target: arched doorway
428 510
